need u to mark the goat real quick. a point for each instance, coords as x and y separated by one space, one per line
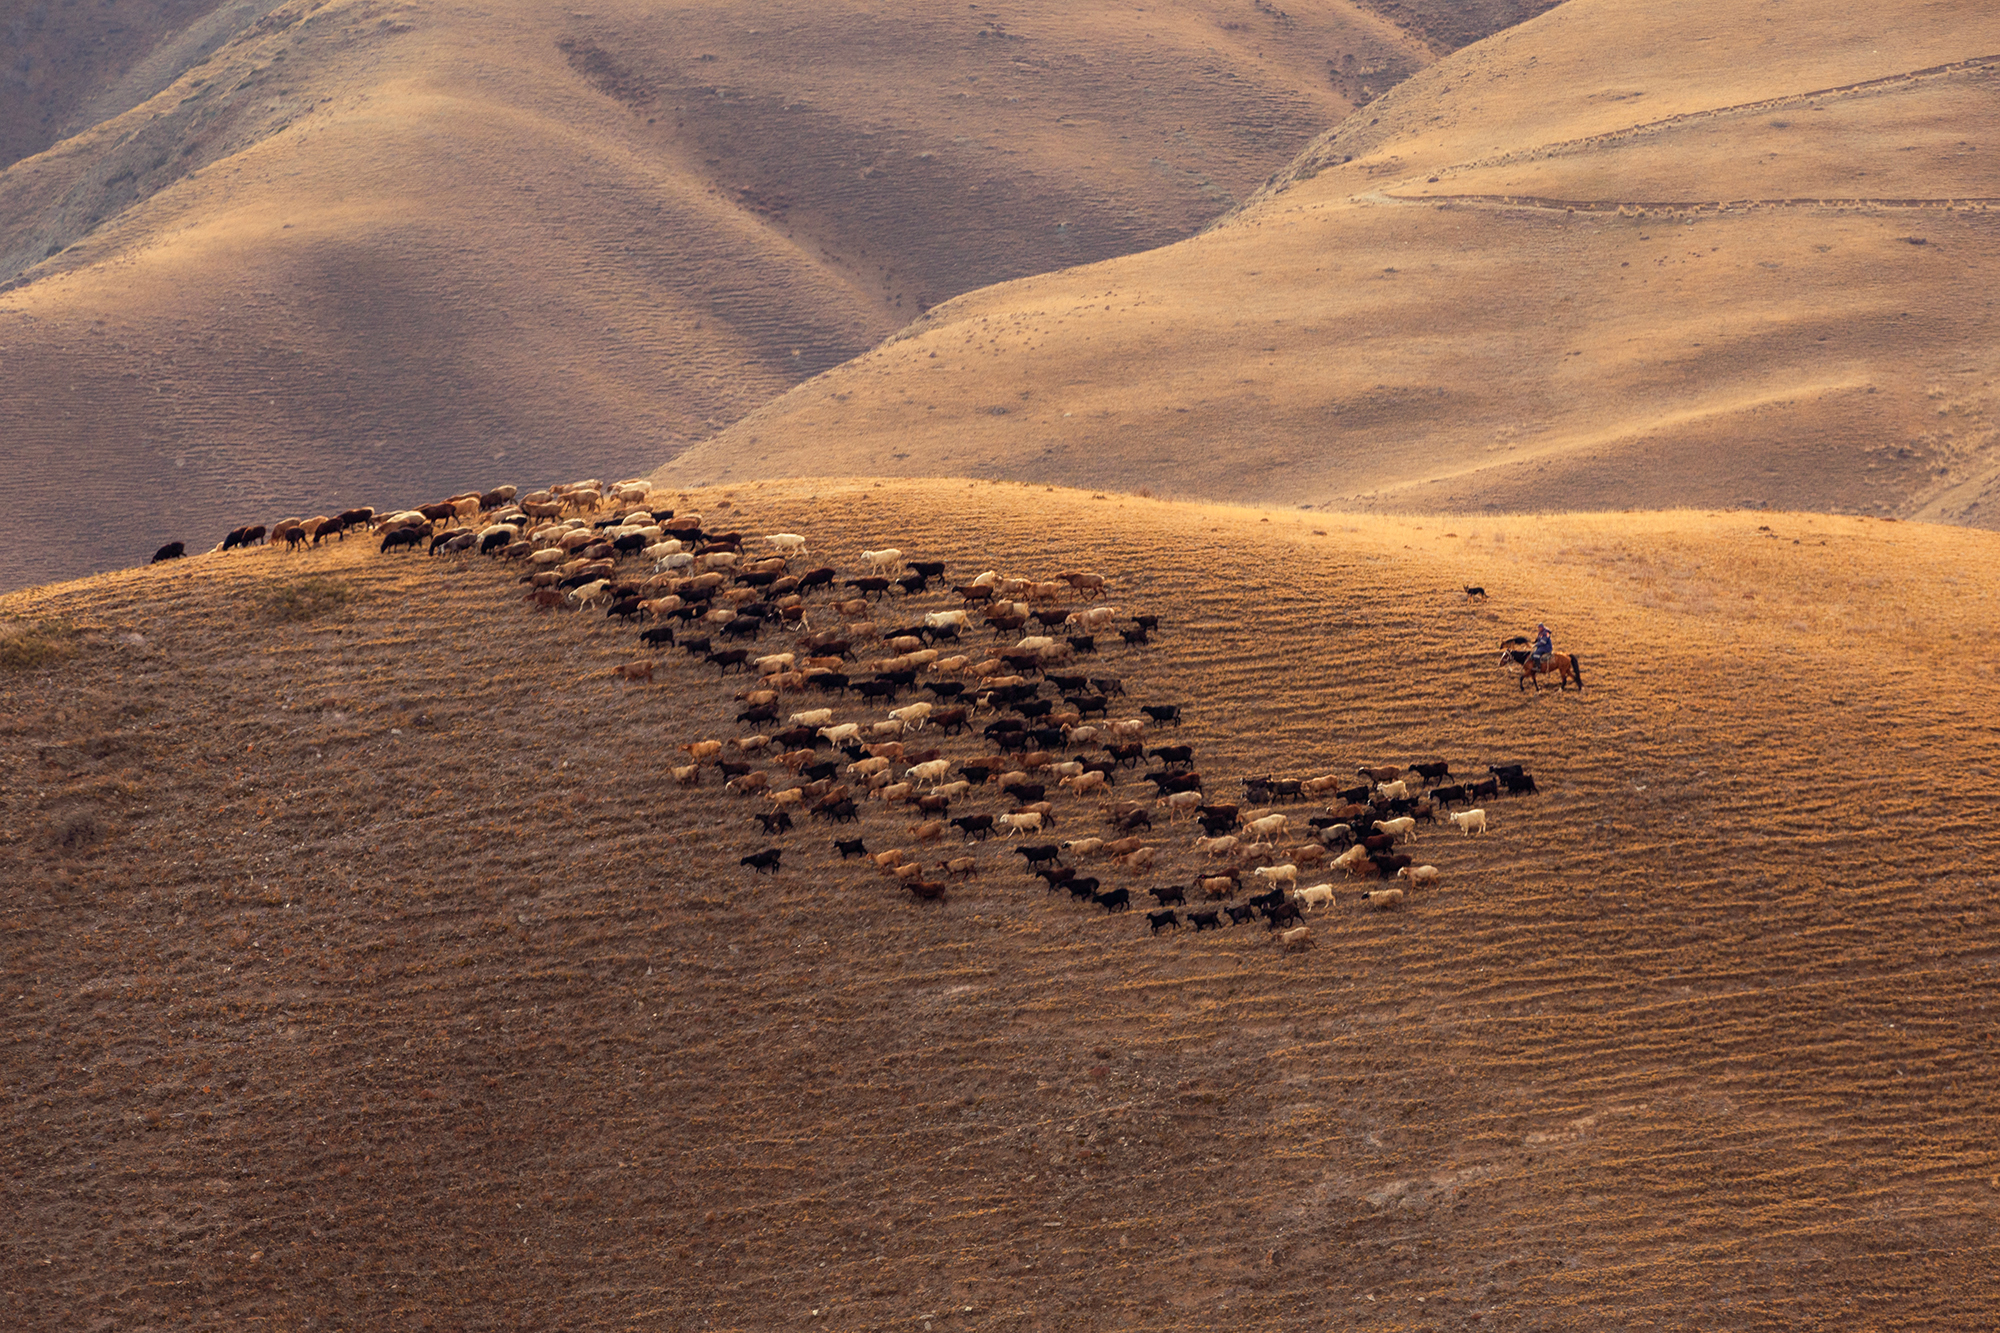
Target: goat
764 862
1470 821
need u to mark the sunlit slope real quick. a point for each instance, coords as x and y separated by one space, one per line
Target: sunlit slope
1602 259
1698 1035
368 248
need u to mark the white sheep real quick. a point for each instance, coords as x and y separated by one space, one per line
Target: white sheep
1084 782
913 716
1267 829
931 771
1384 898
1471 821
1424 876
882 560
1316 895
813 717
846 731
1275 875
788 542
1398 790
1029 821
1298 937
1406 827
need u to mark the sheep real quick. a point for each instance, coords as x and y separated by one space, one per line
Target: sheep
1419 876
770 664
748 744
1275 875
1084 846
632 671
862 768
1298 937
700 750
1405 827
1393 791
1354 861
1470 821
687 775
1217 887
1382 899
748 783
788 542
882 560
1225 845
895 792
1097 618
1017 824
932 771
1082 783
1139 858
812 717
1267 829
1315 895
846 731
912 716
928 831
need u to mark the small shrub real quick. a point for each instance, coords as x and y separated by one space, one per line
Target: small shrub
75 829
28 644
308 598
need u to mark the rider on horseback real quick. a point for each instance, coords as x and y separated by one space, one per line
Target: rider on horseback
1544 645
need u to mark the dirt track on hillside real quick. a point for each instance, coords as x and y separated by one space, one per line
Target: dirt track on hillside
367 970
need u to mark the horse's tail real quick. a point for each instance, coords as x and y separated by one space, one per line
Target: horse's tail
1576 670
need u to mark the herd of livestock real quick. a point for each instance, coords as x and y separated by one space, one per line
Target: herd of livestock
824 738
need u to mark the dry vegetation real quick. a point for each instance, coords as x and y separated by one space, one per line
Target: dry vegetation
365 970
1623 255
369 249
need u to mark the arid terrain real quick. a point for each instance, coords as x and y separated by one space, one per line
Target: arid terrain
255 254
1621 255
366 968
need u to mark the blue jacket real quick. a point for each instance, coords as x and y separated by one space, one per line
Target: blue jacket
1543 644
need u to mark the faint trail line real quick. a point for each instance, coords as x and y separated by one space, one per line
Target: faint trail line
1568 147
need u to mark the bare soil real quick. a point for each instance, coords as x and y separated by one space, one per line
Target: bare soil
364 968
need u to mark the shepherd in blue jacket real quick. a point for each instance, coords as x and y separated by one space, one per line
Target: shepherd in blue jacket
1544 645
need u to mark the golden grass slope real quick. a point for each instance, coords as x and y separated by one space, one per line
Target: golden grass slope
364 967
367 248
1620 255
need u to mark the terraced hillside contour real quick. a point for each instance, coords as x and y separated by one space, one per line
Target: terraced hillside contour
369 966
1622 255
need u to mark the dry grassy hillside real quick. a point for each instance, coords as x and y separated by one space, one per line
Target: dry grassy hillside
366 968
366 248
71 65
1621 255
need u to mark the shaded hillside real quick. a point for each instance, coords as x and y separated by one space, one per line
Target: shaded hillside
366 966
71 65
1620 255
373 248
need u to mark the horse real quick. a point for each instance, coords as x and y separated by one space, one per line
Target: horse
1566 666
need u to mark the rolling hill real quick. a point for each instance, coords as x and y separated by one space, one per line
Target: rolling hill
1621 255
360 248
367 966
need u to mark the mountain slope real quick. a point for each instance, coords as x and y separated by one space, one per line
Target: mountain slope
367 967
364 248
1616 256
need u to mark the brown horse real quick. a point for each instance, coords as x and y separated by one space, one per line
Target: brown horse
1565 666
